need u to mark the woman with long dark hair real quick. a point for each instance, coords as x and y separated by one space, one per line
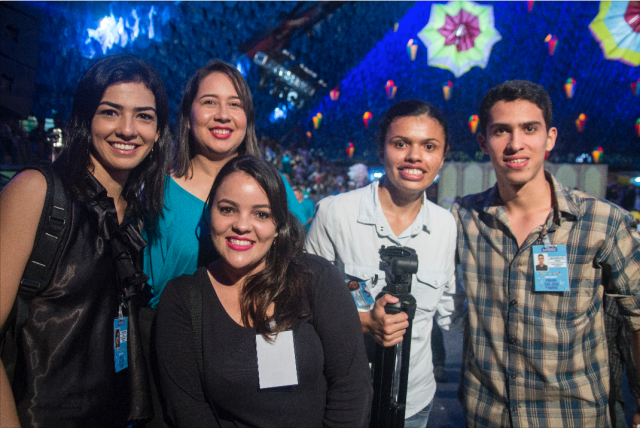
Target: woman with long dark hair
216 123
112 170
263 294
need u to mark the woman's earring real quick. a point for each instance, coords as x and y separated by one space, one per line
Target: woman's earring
274 242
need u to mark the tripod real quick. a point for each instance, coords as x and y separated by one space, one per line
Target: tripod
386 411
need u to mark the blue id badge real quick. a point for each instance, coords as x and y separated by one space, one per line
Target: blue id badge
120 325
550 268
360 293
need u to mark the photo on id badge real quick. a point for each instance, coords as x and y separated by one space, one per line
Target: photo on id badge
360 293
550 268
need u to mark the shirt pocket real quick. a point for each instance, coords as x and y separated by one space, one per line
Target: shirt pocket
429 288
371 275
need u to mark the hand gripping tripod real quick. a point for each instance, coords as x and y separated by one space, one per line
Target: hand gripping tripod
399 264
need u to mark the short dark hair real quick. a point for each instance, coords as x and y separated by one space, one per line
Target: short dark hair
184 148
410 108
144 189
284 280
513 90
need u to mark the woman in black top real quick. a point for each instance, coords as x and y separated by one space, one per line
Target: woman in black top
112 169
261 292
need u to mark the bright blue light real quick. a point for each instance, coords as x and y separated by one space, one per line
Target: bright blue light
243 65
636 181
278 113
123 30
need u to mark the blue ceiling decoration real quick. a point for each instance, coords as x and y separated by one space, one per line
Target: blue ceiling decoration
356 48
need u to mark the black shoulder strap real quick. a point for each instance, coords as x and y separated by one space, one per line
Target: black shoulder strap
195 292
53 229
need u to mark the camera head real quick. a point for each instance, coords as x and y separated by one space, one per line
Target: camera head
398 263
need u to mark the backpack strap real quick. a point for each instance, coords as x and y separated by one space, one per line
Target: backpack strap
52 233
195 291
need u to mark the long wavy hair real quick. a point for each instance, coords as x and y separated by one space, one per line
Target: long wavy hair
285 280
185 146
144 189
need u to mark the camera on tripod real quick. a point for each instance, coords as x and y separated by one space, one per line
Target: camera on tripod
399 265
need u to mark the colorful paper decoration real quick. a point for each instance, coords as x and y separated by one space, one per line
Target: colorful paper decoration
446 90
459 35
473 123
638 127
395 27
570 87
366 118
334 94
309 134
390 89
552 40
350 150
617 29
635 88
581 121
597 153
412 49
529 6
317 120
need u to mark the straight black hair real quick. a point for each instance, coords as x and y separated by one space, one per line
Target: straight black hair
144 190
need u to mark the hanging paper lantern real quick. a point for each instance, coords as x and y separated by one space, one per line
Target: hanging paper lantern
317 120
529 6
309 134
638 127
570 87
395 27
334 94
597 153
350 150
581 121
635 88
473 123
446 90
366 118
412 49
390 89
552 40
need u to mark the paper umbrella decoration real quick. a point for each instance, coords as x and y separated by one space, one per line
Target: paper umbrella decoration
412 49
638 127
366 118
317 120
309 134
635 88
446 90
459 35
597 153
581 121
473 123
390 88
334 94
570 87
350 149
552 40
617 29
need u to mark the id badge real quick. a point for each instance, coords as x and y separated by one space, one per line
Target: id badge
120 343
360 293
277 361
550 268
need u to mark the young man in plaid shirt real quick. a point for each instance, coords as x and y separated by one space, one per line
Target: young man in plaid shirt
535 349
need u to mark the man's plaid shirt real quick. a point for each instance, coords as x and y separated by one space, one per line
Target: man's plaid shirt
534 359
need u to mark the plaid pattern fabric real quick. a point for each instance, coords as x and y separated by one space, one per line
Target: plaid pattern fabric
535 359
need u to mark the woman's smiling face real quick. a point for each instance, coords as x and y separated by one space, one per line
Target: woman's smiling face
242 226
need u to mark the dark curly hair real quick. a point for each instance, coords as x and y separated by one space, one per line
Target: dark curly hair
285 280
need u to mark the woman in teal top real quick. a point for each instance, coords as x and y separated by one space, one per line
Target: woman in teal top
216 123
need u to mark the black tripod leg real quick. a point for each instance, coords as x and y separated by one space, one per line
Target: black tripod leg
400 406
383 373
